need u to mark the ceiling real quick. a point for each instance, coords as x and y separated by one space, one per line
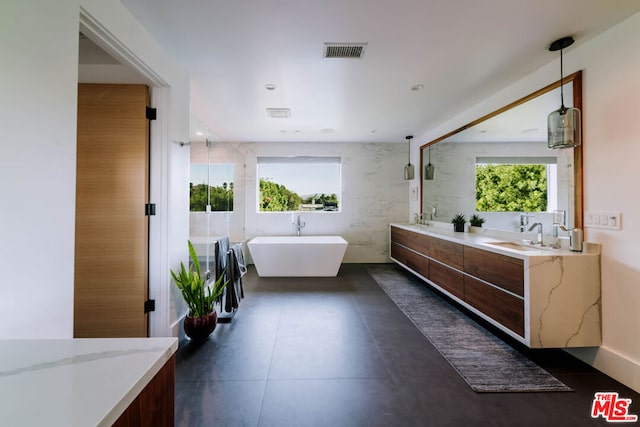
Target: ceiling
461 51
526 122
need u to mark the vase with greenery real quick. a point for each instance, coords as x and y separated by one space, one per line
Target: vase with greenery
458 222
475 223
199 297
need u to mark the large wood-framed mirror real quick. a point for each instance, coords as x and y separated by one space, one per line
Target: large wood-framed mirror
515 133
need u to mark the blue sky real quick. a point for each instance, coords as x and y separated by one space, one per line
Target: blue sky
304 179
219 173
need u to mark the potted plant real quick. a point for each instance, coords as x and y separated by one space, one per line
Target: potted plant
200 298
458 222
475 223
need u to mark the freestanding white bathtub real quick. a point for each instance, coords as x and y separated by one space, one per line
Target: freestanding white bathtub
297 256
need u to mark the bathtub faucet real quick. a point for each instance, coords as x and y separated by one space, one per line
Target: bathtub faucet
299 225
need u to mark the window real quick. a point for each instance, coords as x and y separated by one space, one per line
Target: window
293 184
219 192
521 184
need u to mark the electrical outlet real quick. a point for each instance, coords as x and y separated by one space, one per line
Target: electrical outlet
607 220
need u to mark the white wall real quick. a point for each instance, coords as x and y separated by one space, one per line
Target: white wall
38 80
611 96
373 195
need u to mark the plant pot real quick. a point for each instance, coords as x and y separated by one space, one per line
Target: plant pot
475 229
458 227
199 328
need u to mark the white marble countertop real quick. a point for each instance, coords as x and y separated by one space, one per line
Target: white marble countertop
484 241
76 382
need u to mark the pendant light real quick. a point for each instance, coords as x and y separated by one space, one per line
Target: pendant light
564 127
409 171
429 169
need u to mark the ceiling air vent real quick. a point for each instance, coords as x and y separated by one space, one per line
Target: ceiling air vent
344 50
279 113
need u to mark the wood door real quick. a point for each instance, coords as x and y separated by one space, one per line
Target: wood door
112 188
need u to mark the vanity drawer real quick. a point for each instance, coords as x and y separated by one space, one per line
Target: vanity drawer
501 270
416 241
498 305
447 278
447 252
410 259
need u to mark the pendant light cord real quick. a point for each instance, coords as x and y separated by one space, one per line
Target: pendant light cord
561 83
560 44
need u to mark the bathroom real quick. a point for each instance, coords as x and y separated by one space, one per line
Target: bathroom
45 225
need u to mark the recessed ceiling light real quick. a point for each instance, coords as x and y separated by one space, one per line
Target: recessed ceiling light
417 87
283 130
374 131
297 131
531 130
270 86
199 133
327 130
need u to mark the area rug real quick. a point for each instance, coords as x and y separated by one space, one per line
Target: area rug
483 360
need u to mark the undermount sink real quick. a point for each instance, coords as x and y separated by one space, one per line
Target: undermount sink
518 246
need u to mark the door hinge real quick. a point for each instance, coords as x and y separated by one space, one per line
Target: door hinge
151 113
150 209
149 305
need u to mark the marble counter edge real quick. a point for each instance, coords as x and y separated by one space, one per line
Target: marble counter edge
145 378
480 241
74 369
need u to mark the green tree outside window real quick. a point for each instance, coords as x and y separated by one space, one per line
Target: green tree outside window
511 188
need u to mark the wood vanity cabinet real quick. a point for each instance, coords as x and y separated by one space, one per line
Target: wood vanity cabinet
447 252
417 242
411 259
484 280
495 303
501 270
544 300
447 278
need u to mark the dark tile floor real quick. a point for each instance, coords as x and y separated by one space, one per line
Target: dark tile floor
338 352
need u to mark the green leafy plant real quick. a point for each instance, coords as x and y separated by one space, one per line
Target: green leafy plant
476 220
199 298
458 219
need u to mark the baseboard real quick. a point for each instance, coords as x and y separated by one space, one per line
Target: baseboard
613 364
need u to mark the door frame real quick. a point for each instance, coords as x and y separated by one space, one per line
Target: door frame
160 98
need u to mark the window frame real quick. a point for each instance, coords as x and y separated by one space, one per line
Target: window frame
549 162
300 160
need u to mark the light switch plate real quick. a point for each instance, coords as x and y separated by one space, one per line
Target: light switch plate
606 220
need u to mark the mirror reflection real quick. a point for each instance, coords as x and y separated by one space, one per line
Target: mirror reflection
500 168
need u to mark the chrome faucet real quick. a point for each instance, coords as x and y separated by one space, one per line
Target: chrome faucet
539 225
299 225
524 221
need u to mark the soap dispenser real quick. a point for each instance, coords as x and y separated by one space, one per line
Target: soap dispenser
575 240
